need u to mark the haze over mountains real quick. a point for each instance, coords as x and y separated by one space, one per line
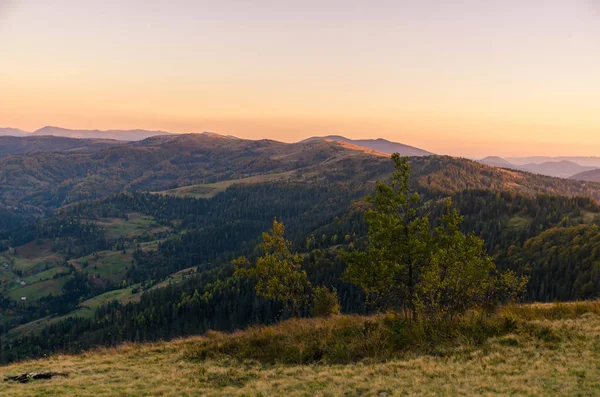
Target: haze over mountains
122 135
564 167
12 132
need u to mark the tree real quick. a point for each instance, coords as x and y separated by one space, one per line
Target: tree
278 271
398 244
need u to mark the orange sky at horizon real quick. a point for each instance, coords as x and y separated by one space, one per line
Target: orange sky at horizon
468 78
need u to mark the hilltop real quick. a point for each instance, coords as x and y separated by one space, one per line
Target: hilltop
540 350
378 145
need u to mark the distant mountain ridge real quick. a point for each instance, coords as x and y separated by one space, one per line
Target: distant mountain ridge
560 169
119 135
122 135
586 161
378 145
12 132
588 176
35 144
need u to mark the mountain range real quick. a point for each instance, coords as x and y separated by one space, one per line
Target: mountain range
561 168
586 161
381 146
47 172
14 141
122 135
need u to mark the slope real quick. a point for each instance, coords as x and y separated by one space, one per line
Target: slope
553 350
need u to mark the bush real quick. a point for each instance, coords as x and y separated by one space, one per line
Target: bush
325 302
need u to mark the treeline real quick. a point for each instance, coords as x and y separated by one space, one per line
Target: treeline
563 263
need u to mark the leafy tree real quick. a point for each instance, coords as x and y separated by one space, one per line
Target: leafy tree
459 273
278 271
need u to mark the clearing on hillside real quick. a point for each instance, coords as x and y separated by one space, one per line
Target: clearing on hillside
134 225
209 190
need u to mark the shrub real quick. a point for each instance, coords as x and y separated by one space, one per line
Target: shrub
325 302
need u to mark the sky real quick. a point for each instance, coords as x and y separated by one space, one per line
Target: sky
463 77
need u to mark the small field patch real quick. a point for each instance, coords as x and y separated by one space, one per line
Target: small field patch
38 290
209 190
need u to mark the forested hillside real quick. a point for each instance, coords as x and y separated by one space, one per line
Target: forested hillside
61 171
137 240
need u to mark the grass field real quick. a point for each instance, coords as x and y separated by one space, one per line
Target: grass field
111 265
211 189
175 278
38 290
136 224
45 275
124 296
86 310
32 257
512 364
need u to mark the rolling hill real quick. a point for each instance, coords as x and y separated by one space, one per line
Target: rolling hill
378 145
90 169
590 176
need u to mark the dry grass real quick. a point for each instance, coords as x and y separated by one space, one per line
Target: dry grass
511 364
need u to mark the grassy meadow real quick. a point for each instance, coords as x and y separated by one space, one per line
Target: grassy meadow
529 350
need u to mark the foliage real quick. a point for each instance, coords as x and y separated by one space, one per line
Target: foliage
278 272
325 302
398 241
439 273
